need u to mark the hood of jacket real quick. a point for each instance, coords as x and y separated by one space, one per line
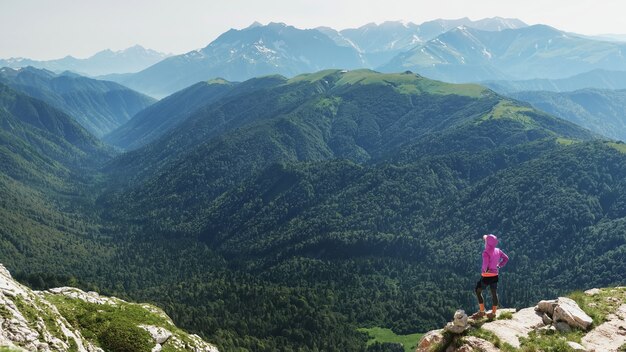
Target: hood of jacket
491 241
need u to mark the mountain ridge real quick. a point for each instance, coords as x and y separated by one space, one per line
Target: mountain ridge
99 106
104 62
527 52
273 49
310 195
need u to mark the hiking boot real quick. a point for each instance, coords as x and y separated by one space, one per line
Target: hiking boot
491 315
478 315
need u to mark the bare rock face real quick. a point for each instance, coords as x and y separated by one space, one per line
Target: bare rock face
478 344
510 330
610 335
592 292
19 329
30 321
568 311
159 334
576 346
90 297
429 340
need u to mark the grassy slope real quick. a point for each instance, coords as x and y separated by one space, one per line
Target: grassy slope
382 335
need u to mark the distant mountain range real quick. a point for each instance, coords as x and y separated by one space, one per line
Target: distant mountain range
466 54
602 111
132 59
450 50
99 106
380 43
277 48
242 54
599 79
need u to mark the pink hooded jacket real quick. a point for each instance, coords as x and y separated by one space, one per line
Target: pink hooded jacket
493 258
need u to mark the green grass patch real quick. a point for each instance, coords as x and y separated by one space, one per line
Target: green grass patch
312 77
116 327
621 147
408 83
113 327
509 110
549 342
7 349
505 316
565 141
600 305
491 337
382 335
5 313
28 311
218 81
405 83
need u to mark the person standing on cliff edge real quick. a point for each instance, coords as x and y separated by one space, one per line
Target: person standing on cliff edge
493 259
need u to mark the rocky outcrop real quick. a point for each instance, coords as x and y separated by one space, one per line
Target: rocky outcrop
30 323
520 325
566 310
459 324
478 344
33 320
548 317
610 335
431 339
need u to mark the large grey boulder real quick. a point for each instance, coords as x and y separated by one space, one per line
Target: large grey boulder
568 311
546 306
159 334
592 292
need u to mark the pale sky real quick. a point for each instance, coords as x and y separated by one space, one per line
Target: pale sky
47 29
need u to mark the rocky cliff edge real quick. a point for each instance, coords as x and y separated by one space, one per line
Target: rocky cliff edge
591 321
69 319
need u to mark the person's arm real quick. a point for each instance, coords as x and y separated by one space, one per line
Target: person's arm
503 259
485 262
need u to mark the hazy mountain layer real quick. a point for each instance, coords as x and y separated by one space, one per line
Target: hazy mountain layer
104 62
466 54
599 79
99 106
601 111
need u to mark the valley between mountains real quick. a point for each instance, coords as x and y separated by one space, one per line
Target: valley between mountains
307 189
289 212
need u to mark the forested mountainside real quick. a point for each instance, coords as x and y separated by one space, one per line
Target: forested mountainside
600 110
290 214
99 106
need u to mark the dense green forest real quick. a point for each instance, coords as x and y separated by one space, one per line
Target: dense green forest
287 214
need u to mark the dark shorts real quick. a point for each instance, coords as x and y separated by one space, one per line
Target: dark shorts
484 282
